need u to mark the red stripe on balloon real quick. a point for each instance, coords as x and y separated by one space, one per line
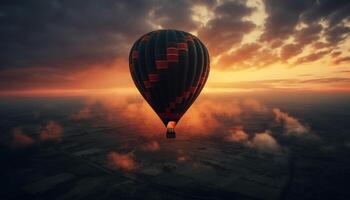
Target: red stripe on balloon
153 77
172 57
189 38
161 64
182 46
171 50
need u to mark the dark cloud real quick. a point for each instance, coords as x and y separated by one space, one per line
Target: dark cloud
174 15
283 16
312 57
336 54
308 34
333 10
341 60
68 34
320 45
290 50
289 28
301 20
227 28
244 53
337 34
251 55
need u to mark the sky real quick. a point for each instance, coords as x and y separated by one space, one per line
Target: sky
76 47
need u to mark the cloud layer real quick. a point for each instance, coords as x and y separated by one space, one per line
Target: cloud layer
246 121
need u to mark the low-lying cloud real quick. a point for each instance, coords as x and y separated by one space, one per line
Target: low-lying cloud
264 142
229 120
120 161
20 139
52 131
237 134
291 125
151 146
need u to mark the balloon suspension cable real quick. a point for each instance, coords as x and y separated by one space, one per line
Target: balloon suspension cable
171 130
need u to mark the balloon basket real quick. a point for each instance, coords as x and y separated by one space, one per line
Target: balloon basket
170 133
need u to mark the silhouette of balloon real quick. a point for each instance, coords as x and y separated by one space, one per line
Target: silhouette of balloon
170 69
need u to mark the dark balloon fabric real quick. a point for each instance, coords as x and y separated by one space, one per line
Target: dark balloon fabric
169 68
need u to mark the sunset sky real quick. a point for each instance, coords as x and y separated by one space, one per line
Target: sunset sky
56 47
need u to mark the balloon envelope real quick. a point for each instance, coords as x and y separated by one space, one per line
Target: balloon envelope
169 68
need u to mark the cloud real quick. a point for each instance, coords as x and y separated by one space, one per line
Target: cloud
133 110
57 42
237 134
308 34
251 55
264 142
205 116
124 162
66 34
291 125
174 15
337 34
228 26
260 141
317 23
291 27
345 59
312 57
282 18
320 45
291 50
182 158
151 146
20 139
52 131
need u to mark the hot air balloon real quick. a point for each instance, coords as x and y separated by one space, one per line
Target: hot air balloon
170 69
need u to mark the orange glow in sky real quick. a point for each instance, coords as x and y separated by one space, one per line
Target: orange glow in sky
248 53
